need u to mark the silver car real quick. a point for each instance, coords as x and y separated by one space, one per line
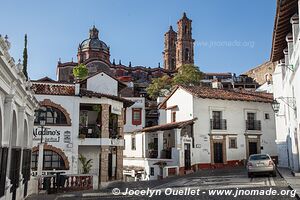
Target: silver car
260 163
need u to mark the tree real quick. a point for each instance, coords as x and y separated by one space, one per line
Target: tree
159 87
188 75
25 56
86 164
80 72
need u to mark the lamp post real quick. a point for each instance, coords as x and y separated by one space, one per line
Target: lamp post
275 106
41 147
289 101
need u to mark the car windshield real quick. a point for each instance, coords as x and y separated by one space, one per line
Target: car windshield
259 157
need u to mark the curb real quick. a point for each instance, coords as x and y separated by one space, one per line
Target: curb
289 186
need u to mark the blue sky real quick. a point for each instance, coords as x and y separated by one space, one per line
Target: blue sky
231 35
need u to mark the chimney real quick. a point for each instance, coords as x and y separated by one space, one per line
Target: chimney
77 89
216 84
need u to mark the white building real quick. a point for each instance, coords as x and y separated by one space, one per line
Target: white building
81 119
17 105
286 80
205 128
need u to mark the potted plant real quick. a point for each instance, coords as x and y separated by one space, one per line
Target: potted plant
86 164
82 136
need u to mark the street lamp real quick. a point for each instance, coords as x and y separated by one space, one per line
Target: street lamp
289 101
275 106
42 121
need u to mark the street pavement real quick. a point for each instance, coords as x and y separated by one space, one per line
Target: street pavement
230 183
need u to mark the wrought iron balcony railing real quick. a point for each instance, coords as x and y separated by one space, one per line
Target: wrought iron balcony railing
253 125
219 124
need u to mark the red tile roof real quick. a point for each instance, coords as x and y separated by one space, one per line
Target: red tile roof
168 126
223 94
69 90
89 93
53 89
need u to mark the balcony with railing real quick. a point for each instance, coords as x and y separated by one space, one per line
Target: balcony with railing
218 124
253 125
90 131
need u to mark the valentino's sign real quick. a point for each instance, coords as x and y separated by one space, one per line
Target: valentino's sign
49 135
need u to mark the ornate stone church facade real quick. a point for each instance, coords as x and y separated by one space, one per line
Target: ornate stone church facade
95 54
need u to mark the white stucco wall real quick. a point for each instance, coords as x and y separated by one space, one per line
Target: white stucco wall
71 104
103 83
139 102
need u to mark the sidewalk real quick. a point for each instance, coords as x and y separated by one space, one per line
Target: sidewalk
293 181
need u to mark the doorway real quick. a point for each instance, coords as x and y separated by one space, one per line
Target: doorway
218 152
252 148
187 156
252 145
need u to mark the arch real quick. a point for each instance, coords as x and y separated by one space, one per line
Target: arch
49 103
25 138
56 150
14 129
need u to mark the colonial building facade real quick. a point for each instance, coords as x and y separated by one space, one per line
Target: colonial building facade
17 105
203 127
82 119
286 79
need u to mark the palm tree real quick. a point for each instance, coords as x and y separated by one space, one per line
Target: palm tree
86 164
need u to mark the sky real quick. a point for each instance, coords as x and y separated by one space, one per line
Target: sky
230 36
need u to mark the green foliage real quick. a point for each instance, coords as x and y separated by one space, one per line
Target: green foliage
188 75
25 57
86 164
80 72
159 86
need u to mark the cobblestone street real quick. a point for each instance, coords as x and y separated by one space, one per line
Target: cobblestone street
205 181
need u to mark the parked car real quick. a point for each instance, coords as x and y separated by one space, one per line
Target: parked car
260 163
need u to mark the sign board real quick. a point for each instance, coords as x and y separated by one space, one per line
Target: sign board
187 140
252 136
49 134
218 137
116 110
67 137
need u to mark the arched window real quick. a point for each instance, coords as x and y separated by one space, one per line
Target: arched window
186 54
52 160
51 115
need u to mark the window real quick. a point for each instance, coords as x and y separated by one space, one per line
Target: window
216 115
133 145
232 143
267 116
136 116
187 54
151 171
251 116
52 160
51 115
173 117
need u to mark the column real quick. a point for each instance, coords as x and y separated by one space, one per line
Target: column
160 135
103 176
120 149
104 150
105 121
120 162
20 138
7 134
